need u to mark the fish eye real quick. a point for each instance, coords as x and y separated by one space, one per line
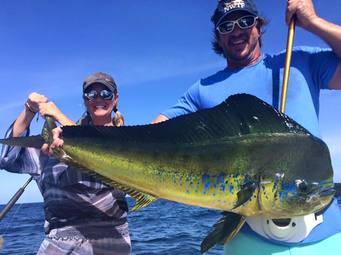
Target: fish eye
302 185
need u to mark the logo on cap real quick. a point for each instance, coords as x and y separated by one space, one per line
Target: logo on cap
234 4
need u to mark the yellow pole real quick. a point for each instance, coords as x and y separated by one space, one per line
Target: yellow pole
290 42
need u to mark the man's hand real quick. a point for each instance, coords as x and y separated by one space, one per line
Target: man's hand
303 10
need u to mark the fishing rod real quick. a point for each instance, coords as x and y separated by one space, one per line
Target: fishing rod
10 205
14 199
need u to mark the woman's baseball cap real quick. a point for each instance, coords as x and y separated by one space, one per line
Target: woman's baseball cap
101 78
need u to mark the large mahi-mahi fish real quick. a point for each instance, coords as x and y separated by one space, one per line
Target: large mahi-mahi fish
242 157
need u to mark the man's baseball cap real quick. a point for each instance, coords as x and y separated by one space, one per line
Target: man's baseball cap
101 78
226 7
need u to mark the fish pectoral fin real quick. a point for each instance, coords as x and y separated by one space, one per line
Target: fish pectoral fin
142 200
223 231
245 194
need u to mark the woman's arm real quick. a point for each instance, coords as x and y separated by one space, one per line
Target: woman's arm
23 160
26 116
50 109
22 122
37 103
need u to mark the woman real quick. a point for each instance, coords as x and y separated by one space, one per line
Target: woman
82 214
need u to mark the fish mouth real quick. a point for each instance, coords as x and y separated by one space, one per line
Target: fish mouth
314 198
322 190
327 192
320 194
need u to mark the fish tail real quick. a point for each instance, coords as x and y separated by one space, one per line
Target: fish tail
33 141
30 141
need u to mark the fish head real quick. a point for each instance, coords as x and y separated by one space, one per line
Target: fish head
302 182
286 197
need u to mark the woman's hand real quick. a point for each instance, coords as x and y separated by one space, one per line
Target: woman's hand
49 109
57 142
31 108
34 100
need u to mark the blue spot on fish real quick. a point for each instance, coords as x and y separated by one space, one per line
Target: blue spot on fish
206 180
220 178
231 189
287 190
221 181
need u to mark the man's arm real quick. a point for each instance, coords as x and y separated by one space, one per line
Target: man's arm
331 34
159 118
307 18
187 103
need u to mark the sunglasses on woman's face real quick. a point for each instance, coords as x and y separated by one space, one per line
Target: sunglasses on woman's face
244 22
104 94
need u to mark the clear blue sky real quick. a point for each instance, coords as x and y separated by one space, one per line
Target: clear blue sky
155 49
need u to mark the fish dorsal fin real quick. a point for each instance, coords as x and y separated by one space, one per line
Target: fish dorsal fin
239 115
223 231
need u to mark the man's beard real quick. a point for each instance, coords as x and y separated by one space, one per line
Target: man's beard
245 58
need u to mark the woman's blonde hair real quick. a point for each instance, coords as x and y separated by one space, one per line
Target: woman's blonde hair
118 119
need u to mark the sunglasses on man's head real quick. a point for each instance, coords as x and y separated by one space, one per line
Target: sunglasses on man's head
104 94
243 22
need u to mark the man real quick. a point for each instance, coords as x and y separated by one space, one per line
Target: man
238 30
